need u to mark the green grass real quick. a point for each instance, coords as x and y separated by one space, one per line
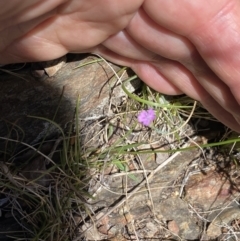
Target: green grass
56 211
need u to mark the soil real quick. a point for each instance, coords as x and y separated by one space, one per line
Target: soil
190 195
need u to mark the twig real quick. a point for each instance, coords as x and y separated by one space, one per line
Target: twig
136 189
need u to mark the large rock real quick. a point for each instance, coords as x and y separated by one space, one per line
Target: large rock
27 92
50 92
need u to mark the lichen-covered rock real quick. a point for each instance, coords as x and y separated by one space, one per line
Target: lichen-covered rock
176 209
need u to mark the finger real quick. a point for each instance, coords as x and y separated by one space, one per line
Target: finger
14 33
158 39
77 26
19 11
219 45
214 30
186 16
185 81
144 70
170 77
123 44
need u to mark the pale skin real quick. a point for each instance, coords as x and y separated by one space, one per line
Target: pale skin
185 46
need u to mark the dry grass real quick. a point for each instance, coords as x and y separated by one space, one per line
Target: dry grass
52 201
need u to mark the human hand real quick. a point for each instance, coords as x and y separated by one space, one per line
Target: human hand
40 30
198 43
174 47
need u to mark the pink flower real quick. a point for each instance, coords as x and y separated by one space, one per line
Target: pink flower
146 117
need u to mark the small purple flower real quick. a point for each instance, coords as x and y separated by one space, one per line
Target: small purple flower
146 117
